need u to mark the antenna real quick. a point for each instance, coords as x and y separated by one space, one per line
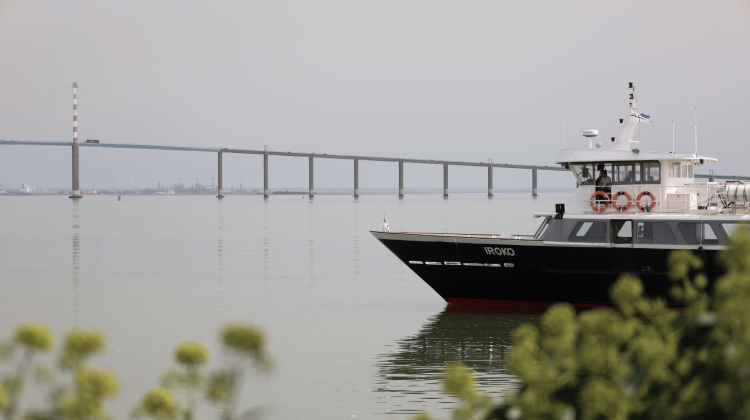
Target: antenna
565 119
696 131
672 136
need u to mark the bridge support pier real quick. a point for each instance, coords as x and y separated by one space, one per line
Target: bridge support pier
445 180
401 179
489 180
265 175
356 178
76 188
312 187
533 182
221 179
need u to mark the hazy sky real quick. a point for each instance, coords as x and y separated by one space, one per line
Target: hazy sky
465 80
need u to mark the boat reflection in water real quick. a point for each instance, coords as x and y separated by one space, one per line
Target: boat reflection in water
409 376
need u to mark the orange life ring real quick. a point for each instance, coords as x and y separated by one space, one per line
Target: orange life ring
638 201
599 205
626 206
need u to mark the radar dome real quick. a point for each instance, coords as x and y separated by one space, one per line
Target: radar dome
590 133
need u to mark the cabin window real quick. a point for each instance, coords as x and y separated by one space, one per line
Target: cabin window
584 173
654 233
731 228
589 232
690 170
623 230
692 234
624 174
674 170
684 171
651 172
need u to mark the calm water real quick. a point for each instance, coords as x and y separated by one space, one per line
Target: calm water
354 333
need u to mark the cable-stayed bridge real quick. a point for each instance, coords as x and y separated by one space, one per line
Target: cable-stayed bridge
39 110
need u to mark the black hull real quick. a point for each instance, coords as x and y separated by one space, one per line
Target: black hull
532 273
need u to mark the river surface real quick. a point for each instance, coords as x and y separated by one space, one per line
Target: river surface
352 331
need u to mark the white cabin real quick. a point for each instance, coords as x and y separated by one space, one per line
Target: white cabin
669 178
636 181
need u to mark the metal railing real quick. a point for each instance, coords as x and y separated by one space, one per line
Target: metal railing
690 198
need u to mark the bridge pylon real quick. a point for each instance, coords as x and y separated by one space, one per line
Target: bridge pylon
76 187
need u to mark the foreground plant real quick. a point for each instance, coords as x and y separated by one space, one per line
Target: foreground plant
75 391
459 381
243 348
645 360
28 341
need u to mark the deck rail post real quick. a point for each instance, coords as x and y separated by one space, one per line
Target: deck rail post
489 178
221 179
265 171
401 179
445 180
533 182
311 187
356 177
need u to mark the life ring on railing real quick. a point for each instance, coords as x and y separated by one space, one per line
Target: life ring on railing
599 205
650 206
626 206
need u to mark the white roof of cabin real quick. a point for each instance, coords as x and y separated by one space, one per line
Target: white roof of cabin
611 155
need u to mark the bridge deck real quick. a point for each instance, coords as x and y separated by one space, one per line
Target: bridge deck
315 155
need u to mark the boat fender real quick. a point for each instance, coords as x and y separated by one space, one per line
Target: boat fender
649 207
601 204
623 207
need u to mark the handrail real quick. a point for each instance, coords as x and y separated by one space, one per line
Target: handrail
697 198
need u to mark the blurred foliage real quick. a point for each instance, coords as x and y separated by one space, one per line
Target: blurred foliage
459 381
78 392
643 361
28 340
75 391
191 356
243 348
159 404
79 345
84 401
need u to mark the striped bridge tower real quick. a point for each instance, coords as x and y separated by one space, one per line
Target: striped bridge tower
76 187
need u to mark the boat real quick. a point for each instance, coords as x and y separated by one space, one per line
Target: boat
29 190
625 220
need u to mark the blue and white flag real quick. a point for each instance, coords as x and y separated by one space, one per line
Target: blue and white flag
385 224
641 116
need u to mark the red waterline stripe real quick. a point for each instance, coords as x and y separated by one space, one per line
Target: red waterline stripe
532 305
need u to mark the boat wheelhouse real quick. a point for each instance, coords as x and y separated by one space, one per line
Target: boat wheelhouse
629 210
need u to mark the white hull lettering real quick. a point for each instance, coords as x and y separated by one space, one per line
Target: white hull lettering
503 252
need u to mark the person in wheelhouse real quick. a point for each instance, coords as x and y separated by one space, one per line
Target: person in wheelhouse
604 182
